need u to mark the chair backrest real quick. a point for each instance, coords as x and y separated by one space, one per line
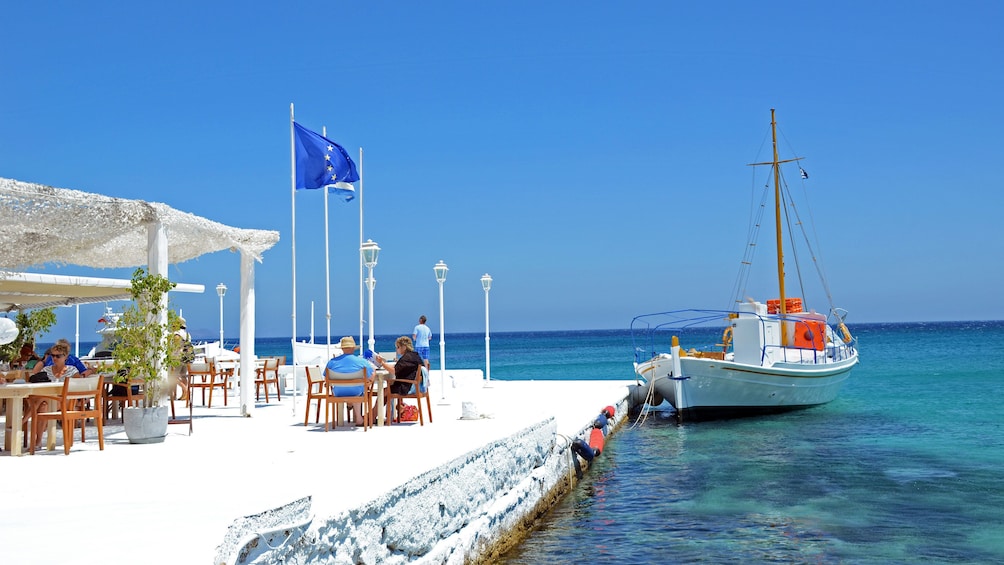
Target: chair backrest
314 376
350 381
388 355
207 367
83 387
359 375
423 384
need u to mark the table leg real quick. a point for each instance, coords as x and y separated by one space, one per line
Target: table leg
15 416
380 407
50 432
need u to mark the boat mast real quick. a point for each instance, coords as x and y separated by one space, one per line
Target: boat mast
777 221
776 165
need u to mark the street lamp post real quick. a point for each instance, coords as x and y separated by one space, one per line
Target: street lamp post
370 251
486 283
221 289
440 269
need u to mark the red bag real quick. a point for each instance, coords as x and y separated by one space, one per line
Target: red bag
409 413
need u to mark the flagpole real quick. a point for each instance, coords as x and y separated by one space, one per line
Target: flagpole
360 245
327 267
292 182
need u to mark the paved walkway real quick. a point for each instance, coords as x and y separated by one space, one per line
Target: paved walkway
172 502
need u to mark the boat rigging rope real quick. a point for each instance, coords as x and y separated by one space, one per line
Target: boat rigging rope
808 244
646 407
571 457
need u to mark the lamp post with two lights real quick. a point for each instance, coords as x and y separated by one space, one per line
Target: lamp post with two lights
440 269
221 289
370 250
486 283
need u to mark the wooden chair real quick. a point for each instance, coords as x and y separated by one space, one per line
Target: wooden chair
348 388
79 400
418 391
262 378
315 391
206 376
126 394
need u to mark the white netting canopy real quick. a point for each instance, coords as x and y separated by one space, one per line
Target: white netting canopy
114 234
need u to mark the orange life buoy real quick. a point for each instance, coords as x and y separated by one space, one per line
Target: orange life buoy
726 339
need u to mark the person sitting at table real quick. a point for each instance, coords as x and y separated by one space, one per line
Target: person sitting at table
71 360
349 362
60 368
406 367
27 359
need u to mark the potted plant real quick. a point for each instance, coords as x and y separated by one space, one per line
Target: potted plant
145 352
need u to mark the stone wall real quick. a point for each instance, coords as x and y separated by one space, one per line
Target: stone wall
470 510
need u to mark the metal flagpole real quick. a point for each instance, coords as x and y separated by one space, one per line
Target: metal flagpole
327 266
361 245
292 182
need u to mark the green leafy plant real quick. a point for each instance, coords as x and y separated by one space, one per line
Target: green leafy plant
31 325
144 349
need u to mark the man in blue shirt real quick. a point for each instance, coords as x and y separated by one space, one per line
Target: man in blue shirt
421 336
349 362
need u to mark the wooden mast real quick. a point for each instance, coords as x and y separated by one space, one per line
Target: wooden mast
776 165
777 222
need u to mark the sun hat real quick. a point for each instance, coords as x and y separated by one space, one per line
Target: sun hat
347 343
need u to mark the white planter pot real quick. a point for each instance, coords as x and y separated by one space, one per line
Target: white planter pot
145 425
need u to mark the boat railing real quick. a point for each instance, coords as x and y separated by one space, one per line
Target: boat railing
818 343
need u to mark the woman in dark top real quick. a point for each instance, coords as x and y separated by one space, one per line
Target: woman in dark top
406 367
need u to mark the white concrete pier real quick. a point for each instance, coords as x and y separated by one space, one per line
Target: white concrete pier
267 489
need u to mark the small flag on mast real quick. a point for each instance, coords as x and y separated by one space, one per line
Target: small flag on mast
802 172
322 163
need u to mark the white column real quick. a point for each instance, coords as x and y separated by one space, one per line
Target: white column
247 337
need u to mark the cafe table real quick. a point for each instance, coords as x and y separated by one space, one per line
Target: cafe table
14 395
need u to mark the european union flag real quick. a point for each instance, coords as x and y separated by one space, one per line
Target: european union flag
321 163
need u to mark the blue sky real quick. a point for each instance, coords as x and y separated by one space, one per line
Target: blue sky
590 157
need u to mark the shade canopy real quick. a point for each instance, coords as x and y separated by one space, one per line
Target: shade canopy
22 291
113 234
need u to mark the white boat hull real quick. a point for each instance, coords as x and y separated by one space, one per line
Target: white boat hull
710 388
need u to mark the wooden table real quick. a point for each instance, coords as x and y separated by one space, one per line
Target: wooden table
14 395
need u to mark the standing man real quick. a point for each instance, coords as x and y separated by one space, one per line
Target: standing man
421 336
182 341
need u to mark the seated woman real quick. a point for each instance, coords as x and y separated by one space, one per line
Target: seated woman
27 358
60 369
406 367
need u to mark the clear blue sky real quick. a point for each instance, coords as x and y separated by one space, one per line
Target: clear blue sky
589 156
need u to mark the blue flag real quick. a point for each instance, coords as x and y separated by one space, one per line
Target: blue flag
321 163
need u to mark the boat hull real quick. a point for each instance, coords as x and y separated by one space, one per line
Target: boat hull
713 389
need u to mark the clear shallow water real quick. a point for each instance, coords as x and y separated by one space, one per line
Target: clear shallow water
906 466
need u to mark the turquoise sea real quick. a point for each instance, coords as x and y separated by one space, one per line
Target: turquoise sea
905 466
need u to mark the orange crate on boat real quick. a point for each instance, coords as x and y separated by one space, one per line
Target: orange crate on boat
791 305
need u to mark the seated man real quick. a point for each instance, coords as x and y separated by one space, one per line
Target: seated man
349 362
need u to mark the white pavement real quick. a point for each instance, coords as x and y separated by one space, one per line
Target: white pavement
173 502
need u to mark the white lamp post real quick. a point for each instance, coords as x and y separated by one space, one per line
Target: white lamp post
370 251
440 269
486 283
221 289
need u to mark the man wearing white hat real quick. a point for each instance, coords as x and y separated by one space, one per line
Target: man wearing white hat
182 340
349 362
